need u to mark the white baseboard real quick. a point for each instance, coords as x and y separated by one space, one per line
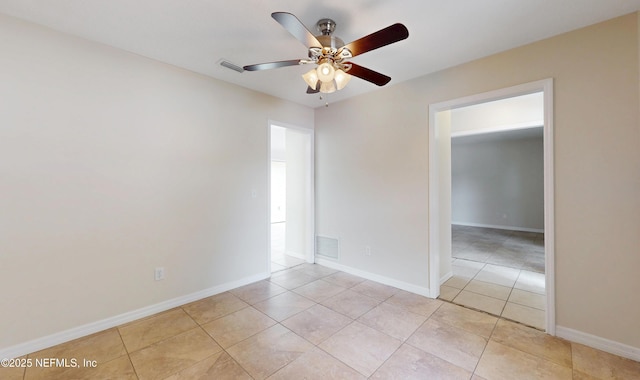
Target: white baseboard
104 324
498 227
444 278
599 343
297 255
375 277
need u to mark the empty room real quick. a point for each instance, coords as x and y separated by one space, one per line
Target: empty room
154 226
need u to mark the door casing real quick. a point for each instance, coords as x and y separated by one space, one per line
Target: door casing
435 156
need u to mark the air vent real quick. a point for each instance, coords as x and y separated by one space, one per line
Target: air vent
327 247
232 66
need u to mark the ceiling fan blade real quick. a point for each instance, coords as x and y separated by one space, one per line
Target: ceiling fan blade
273 65
383 37
312 91
296 28
368 74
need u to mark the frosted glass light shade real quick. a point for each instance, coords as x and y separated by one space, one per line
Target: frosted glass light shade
326 72
311 77
341 79
328 87
328 78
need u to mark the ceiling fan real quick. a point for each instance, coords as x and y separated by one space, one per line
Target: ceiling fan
332 55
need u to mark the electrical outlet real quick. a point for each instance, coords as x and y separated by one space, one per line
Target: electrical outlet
367 251
159 273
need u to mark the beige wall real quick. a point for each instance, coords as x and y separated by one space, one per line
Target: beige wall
112 164
372 170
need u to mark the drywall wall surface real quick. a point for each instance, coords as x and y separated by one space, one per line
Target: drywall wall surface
372 184
498 182
372 170
111 165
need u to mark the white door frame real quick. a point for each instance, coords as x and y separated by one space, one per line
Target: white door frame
546 86
310 196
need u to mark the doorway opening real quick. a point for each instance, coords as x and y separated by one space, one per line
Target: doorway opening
495 255
291 196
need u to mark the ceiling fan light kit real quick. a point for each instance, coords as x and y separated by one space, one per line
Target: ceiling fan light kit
328 76
341 78
326 71
311 77
331 54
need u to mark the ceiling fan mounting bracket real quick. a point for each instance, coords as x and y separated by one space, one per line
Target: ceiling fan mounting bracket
326 26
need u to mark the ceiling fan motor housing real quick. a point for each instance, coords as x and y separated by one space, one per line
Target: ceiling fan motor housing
331 45
332 42
326 27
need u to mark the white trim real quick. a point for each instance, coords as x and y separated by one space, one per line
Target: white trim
546 86
599 343
503 93
269 233
311 236
434 206
508 228
107 323
446 277
374 277
549 208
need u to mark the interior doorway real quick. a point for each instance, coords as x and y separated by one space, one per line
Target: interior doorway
497 209
440 196
291 196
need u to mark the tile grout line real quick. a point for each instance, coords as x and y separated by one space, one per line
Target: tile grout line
127 352
510 291
276 323
530 353
128 358
502 241
353 320
485 346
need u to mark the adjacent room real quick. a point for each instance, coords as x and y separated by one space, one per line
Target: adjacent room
291 177
284 189
497 209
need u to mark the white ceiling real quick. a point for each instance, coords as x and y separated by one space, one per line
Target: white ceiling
518 117
197 34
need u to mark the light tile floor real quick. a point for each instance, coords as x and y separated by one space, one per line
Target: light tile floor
515 294
499 272
312 322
